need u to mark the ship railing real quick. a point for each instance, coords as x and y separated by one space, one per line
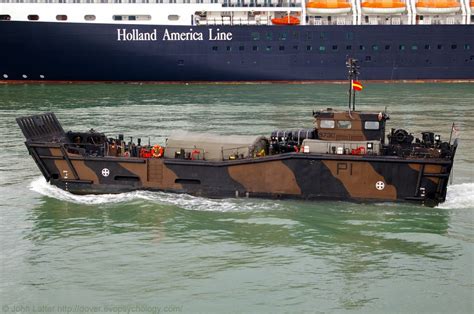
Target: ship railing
225 3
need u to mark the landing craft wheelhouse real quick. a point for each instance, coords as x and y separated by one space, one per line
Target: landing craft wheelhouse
230 40
346 156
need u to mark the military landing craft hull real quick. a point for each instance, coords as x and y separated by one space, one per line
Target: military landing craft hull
290 175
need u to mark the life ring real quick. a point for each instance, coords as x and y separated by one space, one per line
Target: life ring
195 154
157 151
126 154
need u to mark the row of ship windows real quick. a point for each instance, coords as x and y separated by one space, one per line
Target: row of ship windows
90 17
336 47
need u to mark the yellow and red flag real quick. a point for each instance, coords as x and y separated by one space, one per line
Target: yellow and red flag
357 86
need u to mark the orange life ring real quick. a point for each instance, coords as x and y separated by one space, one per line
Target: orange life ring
157 151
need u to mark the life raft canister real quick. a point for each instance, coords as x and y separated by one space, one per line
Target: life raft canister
157 151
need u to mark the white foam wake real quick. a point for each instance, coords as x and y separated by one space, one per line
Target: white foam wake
459 196
185 201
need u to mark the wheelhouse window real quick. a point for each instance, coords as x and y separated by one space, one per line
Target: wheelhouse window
61 17
326 124
344 124
371 125
89 17
33 17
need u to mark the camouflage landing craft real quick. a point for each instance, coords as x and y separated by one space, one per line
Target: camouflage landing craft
345 157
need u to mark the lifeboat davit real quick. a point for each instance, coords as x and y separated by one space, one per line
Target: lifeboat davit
383 7
286 20
328 7
438 6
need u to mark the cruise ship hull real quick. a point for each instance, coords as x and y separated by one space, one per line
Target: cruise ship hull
43 51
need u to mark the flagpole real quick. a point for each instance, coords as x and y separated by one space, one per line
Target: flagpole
451 135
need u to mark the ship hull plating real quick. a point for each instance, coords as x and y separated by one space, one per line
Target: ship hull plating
291 175
44 51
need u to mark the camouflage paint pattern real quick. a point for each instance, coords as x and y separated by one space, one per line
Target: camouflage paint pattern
291 175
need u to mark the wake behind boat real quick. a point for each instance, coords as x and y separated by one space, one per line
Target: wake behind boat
346 156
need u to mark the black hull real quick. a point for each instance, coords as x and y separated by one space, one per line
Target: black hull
92 52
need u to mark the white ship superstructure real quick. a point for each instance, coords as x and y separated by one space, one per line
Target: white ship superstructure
240 12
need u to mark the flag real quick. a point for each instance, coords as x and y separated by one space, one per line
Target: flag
357 86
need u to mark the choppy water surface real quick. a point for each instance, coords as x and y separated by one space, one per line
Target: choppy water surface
146 251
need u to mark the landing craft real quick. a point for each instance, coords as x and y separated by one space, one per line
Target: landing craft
346 156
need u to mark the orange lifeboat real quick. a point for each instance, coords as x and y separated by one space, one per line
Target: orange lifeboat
328 7
286 20
383 7
438 6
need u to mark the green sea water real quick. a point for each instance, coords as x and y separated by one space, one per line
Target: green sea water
153 252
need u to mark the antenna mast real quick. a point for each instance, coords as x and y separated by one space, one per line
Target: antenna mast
353 72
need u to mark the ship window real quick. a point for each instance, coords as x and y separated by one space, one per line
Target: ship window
214 48
269 48
454 46
241 48
440 46
401 47
173 17
255 36
269 36
131 17
295 35
427 47
229 48
33 17
348 47
61 17
308 36
344 124
281 48
322 48
5 17
180 62
255 48
322 34
375 47
295 47
89 17
334 47
283 36
467 47
371 125
361 47
414 47
387 47
368 58
326 124
349 36
309 48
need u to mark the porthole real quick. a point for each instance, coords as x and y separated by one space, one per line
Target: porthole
89 17
61 17
5 17
173 17
33 17
24 76
5 76
41 76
